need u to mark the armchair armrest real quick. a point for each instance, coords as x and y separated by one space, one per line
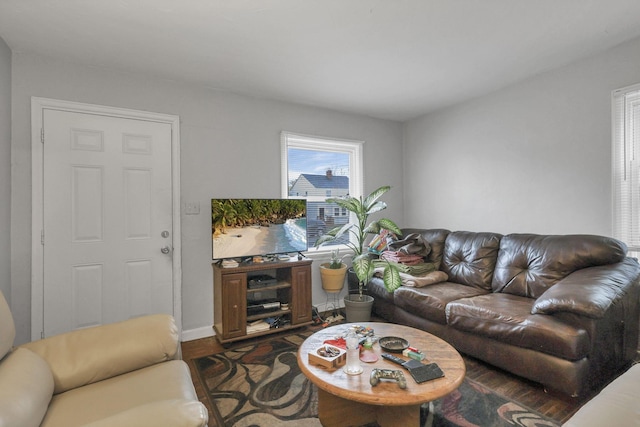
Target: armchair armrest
590 291
168 413
89 355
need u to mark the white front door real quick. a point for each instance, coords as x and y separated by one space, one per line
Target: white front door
107 219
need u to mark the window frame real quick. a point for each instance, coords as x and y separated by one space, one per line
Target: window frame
626 166
353 148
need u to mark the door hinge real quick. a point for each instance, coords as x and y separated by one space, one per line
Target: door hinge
42 135
41 335
42 237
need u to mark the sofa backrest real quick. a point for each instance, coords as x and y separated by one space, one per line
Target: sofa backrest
470 258
436 238
529 264
7 327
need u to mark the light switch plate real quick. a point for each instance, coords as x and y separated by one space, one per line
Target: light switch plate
192 208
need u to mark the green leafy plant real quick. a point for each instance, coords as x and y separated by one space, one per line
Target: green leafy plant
336 260
362 208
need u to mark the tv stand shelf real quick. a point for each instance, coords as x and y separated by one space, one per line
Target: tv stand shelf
232 296
279 285
254 317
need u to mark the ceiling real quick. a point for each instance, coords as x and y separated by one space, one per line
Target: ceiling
393 59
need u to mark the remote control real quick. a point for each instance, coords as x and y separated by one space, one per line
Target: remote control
393 358
406 364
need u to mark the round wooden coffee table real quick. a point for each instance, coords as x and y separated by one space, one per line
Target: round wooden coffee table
347 400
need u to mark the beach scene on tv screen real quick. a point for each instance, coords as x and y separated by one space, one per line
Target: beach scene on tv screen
250 227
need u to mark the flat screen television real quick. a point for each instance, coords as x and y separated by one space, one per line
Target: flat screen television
244 228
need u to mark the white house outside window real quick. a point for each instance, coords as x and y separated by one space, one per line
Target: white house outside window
315 168
626 167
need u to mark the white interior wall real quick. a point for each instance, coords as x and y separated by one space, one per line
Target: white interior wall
230 148
5 170
534 157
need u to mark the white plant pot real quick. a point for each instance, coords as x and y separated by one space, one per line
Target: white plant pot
358 309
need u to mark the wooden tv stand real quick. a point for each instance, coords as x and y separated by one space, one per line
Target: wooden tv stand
232 295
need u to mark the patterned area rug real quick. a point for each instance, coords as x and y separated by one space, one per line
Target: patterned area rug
260 385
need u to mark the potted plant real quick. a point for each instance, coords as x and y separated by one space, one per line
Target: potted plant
363 265
333 273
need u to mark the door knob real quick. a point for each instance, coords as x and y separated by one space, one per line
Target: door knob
165 250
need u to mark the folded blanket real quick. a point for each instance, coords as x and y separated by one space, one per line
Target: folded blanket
401 257
415 270
417 281
412 244
420 281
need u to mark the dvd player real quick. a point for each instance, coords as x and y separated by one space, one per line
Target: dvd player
262 308
261 281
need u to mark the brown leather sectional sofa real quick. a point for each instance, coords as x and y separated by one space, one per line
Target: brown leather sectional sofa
562 311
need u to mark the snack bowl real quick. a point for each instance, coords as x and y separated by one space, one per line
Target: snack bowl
328 356
393 344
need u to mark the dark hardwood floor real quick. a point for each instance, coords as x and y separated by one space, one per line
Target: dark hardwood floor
193 350
554 405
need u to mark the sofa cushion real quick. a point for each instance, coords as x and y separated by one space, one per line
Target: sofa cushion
430 302
26 387
507 318
529 264
166 413
470 258
162 382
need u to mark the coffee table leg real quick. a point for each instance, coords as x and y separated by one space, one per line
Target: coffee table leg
396 416
334 411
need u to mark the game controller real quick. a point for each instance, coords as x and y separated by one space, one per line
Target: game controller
390 374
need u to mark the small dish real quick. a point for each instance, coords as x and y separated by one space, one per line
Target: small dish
393 344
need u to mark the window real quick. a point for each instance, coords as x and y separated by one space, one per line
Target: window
626 166
316 168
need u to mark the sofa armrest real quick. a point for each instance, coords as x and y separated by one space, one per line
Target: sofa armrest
89 355
26 387
168 413
590 291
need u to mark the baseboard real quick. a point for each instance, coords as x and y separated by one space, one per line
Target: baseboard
195 334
